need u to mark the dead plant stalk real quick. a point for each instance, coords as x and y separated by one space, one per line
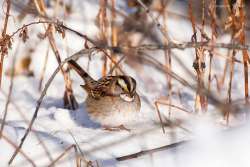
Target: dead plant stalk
3 39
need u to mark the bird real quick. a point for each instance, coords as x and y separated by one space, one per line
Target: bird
111 101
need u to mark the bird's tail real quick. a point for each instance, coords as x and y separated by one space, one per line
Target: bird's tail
85 76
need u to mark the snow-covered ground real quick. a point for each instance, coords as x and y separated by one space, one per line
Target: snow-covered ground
210 142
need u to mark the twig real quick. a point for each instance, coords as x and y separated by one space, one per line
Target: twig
4 35
181 46
159 115
15 146
245 55
118 62
229 91
168 57
114 31
103 30
156 22
61 155
10 90
76 143
79 148
166 147
212 11
174 106
150 151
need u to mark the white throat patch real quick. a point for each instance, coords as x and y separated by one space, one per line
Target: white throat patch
126 97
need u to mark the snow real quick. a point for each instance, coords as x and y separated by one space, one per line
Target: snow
210 142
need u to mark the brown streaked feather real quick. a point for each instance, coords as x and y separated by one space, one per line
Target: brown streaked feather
103 88
84 75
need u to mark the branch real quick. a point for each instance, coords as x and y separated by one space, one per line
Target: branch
13 144
61 155
4 36
150 151
12 72
170 45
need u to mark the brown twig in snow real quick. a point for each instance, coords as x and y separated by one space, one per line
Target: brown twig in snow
13 144
174 106
150 151
61 155
160 118
82 157
10 90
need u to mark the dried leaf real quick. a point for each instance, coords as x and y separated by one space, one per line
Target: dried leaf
5 44
59 28
24 34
